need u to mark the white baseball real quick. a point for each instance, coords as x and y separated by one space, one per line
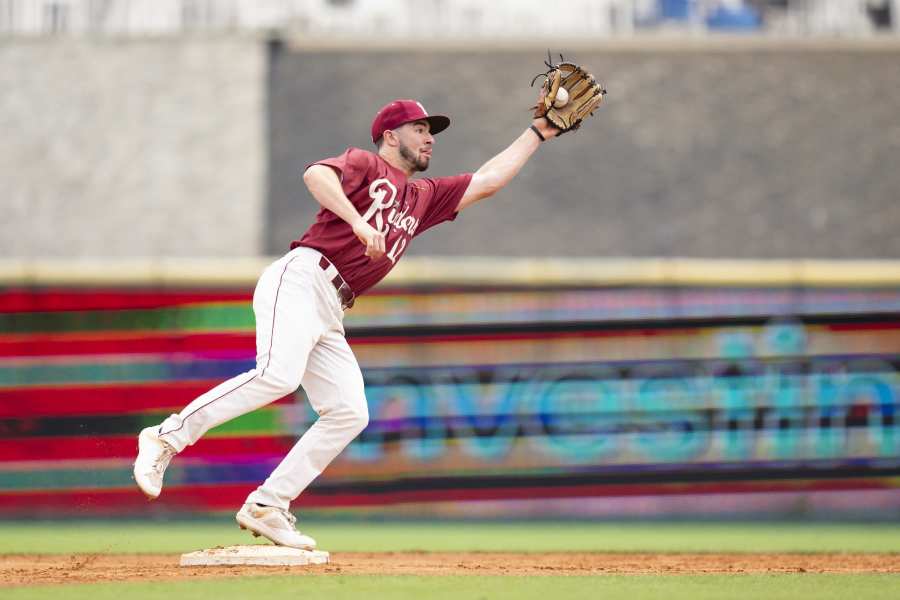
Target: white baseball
562 98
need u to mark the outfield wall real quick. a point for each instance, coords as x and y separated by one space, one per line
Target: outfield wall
729 148
193 146
652 388
116 147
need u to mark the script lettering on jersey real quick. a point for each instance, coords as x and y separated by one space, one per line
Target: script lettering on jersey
383 194
405 223
400 221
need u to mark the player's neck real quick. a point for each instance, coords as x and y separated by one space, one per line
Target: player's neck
394 159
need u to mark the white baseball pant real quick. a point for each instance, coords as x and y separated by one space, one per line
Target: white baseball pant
299 341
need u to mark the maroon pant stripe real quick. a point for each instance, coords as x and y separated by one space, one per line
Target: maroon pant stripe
199 408
274 309
268 359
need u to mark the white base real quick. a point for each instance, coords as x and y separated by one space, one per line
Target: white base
258 554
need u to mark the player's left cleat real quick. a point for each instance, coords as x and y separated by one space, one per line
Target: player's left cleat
275 524
152 459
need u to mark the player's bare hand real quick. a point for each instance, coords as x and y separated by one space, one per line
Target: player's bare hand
371 237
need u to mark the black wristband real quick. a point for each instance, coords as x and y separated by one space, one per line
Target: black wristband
538 133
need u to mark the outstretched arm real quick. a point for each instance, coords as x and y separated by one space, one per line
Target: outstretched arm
497 172
325 186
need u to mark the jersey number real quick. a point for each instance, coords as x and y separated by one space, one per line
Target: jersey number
397 250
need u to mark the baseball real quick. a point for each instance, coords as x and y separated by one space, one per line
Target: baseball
562 98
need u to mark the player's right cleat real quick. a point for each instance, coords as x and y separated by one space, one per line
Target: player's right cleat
152 459
274 524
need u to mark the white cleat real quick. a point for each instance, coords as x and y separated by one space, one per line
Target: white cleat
274 524
152 459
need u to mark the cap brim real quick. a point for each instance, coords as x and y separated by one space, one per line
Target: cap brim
437 123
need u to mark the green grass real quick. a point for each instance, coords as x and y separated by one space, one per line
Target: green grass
182 536
311 587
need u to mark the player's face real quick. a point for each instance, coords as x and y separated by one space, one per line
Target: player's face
415 144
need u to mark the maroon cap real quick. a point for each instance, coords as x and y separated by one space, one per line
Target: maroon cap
398 112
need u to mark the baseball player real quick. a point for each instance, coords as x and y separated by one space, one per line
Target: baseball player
370 210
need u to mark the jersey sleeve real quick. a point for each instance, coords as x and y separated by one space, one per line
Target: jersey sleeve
351 167
446 192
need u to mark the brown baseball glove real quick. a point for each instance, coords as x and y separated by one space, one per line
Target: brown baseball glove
569 95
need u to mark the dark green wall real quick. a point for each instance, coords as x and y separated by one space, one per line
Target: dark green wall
706 153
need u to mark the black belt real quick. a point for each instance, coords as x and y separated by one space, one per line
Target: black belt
344 292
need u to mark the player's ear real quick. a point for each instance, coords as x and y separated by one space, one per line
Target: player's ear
390 137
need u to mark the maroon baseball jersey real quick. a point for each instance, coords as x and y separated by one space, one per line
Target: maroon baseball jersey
389 202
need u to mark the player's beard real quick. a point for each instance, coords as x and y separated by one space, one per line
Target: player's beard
416 163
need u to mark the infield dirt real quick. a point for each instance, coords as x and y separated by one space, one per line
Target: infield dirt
38 569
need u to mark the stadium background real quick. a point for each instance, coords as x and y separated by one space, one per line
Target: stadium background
615 364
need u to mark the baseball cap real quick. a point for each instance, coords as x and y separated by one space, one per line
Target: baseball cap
396 113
